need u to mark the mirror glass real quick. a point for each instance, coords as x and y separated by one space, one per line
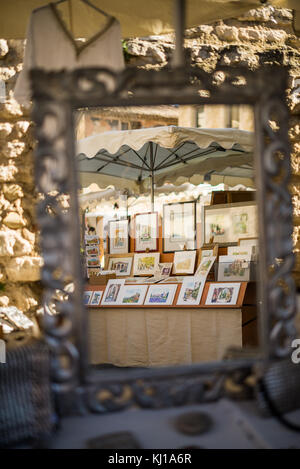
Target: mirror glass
169 236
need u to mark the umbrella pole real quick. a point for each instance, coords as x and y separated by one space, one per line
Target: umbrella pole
152 191
152 175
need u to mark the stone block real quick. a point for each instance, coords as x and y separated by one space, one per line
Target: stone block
12 191
13 149
8 173
226 33
24 269
12 244
14 220
3 48
6 73
5 129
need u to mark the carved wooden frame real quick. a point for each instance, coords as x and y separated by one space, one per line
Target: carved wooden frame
56 95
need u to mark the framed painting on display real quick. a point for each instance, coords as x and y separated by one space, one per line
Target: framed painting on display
145 263
179 226
184 262
133 295
223 294
226 223
160 295
146 232
122 265
118 236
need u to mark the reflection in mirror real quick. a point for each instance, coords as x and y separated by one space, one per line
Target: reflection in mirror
169 237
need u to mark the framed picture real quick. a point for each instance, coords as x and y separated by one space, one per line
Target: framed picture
253 242
191 291
164 269
133 294
95 300
161 295
118 236
93 261
226 223
145 263
112 292
87 295
92 239
204 266
233 268
223 294
179 226
146 232
244 252
209 250
121 265
248 242
184 262
92 250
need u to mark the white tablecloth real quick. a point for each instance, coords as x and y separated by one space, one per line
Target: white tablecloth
161 337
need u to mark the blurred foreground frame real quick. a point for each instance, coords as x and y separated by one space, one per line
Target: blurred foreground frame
56 97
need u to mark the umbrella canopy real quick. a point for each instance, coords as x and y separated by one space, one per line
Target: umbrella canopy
167 153
137 18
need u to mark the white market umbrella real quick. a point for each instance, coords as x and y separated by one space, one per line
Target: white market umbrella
167 153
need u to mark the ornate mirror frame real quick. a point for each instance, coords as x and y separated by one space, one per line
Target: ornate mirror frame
56 96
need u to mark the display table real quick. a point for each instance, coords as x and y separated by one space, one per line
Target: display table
144 336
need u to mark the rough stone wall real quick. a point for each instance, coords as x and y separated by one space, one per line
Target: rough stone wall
260 37
19 259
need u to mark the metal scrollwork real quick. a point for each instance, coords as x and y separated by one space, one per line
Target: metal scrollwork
278 227
56 95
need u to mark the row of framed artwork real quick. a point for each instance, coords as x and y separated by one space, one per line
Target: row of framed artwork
222 223
233 266
191 293
148 263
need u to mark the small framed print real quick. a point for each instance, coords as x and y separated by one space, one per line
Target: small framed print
118 236
223 294
122 265
160 295
164 269
92 250
112 292
184 262
179 226
96 298
248 242
145 263
253 242
209 250
92 239
93 262
87 295
226 223
233 268
146 232
205 266
243 252
133 295
191 291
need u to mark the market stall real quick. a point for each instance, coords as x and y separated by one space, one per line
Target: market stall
173 284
